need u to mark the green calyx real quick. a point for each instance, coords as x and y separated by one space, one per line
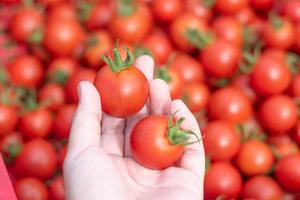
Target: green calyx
292 60
208 3
177 136
250 58
84 10
59 77
199 39
276 21
36 37
11 152
162 73
118 64
126 7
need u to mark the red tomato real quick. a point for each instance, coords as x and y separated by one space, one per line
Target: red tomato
97 44
159 46
26 23
145 148
263 188
220 58
279 33
245 16
189 68
82 74
50 2
196 96
119 83
229 104
229 29
275 54
242 82
292 10
135 25
278 114
31 189
101 15
287 173
172 77
262 5
230 6
37 123
180 27
270 76
61 156
221 141
295 87
37 159
254 158
222 179
167 10
11 146
62 11
282 145
8 118
295 133
199 8
26 71
56 189
63 37
53 95
63 121
60 69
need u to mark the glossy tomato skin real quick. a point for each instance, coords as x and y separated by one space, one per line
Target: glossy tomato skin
26 71
63 37
159 45
288 174
270 76
196 96
229 104
63 121
292 10
221 141
97 44
176 84
37 159
31 189
53 95
83 74
63 11
199 9
222 179
230 6
180 26
135 26
229 29
150 146
281 37
189 68
254 158
118 89
262 5
26 22
167 10
278 114
8 118
220 59
101 15
262 187
56 189
37 123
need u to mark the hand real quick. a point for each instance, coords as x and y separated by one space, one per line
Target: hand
99 164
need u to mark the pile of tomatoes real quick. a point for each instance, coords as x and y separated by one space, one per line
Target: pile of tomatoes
235 64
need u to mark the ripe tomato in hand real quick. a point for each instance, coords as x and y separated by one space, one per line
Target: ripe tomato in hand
37 159
254 158
196 96
83 74
278 114
222 179
63 121
123 88
287 173
8 118
262 187
56 189
221 141
146 149
26 71
36 123
31 189
229 104
135 24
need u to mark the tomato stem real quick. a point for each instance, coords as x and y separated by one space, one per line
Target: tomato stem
276 21
162 73
126 7
118 64
198 38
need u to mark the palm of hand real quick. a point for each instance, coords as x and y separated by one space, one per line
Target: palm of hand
100 166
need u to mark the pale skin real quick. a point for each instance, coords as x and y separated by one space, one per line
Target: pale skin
99 164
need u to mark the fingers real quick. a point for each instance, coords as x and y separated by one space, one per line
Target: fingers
146 65
160 98
85 130
193 158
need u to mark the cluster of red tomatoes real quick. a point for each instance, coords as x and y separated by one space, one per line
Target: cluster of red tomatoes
234 63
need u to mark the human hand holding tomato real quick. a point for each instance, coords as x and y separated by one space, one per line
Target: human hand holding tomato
99 163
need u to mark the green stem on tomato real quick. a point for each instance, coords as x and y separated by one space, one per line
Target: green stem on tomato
162 73
126 7
198 38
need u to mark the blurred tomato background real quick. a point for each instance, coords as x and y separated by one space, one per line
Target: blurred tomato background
235 63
